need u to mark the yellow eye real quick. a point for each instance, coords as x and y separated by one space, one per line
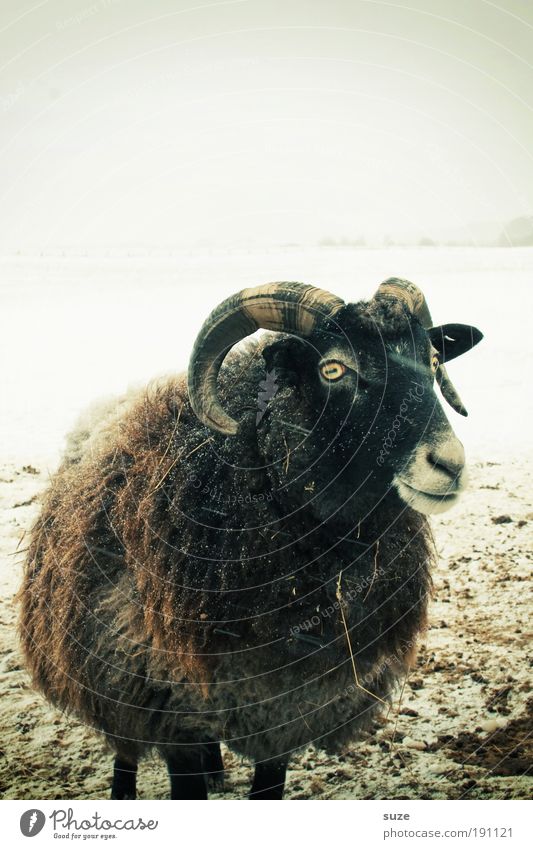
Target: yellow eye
435 363
333 370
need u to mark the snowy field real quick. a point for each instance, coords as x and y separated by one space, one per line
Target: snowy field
76 328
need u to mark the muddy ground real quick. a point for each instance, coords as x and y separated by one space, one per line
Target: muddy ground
461 728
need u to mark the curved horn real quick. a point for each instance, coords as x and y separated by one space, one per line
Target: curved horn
449 391
414 299
411 295
287 307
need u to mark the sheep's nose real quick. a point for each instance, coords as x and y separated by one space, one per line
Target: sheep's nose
448 456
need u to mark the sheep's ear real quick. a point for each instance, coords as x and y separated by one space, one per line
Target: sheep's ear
452 340
284 354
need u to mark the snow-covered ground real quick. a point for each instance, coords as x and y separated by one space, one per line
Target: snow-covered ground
73 329
76 328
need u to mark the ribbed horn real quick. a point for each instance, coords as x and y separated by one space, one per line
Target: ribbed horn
285 307
415 301
411 295
449 391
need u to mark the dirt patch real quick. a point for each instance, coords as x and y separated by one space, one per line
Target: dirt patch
507 751
460 727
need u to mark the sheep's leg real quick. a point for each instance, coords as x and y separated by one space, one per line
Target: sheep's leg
213 765
186 771
269 779
124 779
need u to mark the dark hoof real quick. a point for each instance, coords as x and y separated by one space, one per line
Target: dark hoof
124 780
214 766
215 781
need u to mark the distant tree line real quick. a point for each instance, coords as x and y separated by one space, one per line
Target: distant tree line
516 233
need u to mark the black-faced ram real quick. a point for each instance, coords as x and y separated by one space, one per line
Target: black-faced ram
245 557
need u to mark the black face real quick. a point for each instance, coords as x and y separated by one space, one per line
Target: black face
357 420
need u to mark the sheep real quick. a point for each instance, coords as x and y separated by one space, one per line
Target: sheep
219 561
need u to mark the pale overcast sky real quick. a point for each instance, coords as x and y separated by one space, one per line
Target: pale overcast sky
175 122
